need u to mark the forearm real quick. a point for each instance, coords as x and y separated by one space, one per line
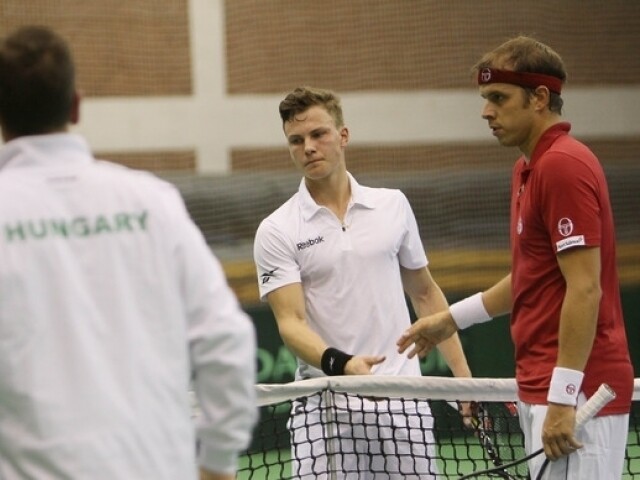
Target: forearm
451 351
288 306
576 332
308 346
482 306
303 342
497 299
579 314
451 348
578 322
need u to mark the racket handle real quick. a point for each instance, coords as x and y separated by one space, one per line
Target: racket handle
596 402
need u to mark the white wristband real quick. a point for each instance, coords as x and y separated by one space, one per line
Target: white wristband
565 386
469 311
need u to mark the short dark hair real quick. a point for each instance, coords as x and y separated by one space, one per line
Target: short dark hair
303 98
526 54
37 81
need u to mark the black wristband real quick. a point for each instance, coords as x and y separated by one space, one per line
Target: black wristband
333 361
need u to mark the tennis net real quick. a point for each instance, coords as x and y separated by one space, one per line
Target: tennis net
339 427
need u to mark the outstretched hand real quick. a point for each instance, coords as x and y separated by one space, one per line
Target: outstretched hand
426 333
362 364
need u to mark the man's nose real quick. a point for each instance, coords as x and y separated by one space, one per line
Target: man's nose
488 112
309 145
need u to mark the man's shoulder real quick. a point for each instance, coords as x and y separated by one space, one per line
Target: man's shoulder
567 157
139 178
571 148
282 219
381 196
283 214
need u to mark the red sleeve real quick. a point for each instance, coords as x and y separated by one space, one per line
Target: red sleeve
570 202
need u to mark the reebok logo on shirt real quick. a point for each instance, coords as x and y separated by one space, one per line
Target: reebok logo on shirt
76 227
266 276
310 243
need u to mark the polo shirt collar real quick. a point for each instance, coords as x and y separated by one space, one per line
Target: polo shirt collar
359 196
547 139
45 150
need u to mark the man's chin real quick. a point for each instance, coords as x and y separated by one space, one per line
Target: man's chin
315 172
505 142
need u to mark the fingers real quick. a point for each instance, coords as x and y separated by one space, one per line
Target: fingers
555 449
469 419
418 344
558 437
407 339
375 360
469 423
422 348
473 416
467 409
426 333
362 364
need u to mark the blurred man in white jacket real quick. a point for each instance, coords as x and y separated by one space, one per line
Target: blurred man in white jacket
111 303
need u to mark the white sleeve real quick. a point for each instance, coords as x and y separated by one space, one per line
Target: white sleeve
222 346
412 254
275 259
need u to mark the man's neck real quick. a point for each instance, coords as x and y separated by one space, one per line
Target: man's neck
545 124
333 192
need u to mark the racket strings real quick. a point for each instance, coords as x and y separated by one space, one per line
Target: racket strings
481 421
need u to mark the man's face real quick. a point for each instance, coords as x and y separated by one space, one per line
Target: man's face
316 144
509 113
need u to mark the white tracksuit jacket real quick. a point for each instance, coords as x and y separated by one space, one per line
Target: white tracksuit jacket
111 303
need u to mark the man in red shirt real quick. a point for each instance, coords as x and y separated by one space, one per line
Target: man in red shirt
563 291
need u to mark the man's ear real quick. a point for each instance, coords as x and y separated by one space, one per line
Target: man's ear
542 97
74 116
345 135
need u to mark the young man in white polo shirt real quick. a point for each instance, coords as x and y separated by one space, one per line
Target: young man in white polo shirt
110 303
334 263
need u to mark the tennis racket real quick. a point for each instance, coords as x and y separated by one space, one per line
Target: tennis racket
603 395
480 424
479 421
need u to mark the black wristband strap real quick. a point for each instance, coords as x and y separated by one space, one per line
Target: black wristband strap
333 361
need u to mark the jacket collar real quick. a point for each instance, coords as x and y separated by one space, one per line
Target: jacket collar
45 150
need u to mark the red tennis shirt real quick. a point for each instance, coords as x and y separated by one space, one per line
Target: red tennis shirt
560 200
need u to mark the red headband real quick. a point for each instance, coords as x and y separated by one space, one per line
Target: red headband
523 79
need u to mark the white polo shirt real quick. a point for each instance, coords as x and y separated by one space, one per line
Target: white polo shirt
350 273
110 303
